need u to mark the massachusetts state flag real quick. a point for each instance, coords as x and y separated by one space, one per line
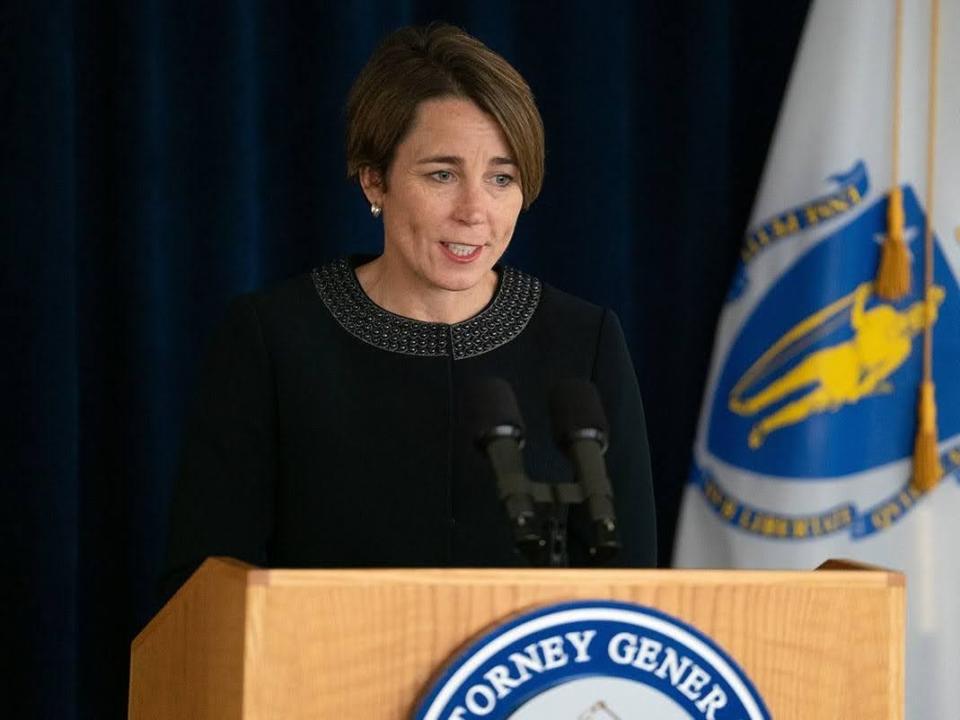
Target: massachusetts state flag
805 447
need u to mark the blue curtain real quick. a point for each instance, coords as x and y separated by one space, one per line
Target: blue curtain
158 157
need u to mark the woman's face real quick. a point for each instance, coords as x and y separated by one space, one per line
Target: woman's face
452 199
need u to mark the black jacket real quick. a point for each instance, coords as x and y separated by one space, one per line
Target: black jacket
326 430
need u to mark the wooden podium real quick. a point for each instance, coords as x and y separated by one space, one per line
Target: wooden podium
240 643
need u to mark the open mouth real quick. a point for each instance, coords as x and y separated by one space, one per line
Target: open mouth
462 252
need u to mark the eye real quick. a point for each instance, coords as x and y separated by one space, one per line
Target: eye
443 176
502 180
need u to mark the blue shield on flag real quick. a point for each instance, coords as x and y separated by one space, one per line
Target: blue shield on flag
821 380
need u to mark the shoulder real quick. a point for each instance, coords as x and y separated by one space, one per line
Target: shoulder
272 318
573 314
572 331
558 301
282 307
280 298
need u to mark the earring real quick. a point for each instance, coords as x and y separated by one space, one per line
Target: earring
375 210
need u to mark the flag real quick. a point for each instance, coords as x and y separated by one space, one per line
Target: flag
806 441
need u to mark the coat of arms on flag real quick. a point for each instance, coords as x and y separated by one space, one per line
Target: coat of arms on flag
819 381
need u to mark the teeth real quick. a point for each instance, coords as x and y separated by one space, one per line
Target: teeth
461 250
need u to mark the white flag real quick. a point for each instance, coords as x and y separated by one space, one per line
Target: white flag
805 442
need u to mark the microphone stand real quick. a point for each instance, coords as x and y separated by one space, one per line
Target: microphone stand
552 502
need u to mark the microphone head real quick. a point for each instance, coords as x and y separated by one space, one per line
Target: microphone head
490 410
577 413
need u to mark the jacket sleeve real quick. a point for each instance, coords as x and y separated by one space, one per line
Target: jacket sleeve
628 456
222 501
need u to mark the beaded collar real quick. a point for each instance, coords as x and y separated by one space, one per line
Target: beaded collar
513 304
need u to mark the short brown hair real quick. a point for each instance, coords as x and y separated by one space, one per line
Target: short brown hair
415 64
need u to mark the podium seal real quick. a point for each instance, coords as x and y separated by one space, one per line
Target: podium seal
595 660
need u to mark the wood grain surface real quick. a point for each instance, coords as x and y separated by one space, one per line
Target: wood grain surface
366 643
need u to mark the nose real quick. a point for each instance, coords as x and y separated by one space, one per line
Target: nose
470 208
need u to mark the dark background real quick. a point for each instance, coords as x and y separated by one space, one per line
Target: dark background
157 158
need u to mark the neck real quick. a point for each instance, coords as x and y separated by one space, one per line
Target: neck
396 291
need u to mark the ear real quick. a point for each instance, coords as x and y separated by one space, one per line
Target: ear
372 183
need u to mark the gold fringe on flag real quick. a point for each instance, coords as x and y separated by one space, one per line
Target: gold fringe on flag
926 459
893 274
927 470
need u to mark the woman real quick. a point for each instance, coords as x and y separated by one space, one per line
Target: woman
326 431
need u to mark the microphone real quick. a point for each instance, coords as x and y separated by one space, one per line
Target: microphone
580 427
494 420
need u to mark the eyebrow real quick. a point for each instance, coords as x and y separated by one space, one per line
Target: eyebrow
454 160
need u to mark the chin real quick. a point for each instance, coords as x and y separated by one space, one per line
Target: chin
458 283
459 279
